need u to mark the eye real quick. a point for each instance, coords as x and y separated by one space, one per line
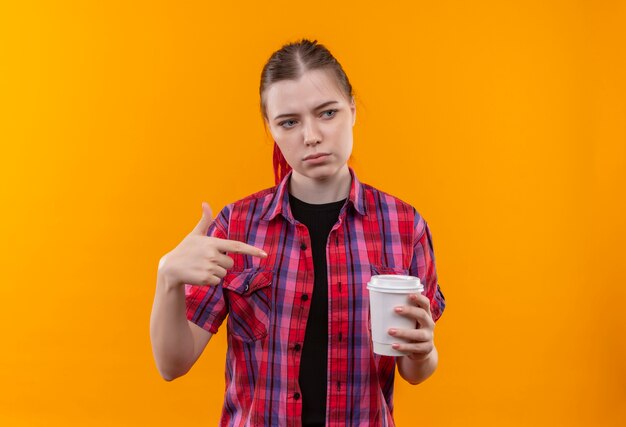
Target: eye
287 124
328 114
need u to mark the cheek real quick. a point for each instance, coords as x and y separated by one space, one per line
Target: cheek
346 139
286 144
278 137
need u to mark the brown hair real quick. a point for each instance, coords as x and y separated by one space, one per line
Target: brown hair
289 63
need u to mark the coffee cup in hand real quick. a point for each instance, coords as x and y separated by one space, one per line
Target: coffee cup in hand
387 292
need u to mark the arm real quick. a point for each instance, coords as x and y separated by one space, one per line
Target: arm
176 342
423 357
417 371
201 261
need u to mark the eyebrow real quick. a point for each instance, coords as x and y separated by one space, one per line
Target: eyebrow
325 104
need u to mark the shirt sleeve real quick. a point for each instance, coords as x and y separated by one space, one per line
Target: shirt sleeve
206 306
423 266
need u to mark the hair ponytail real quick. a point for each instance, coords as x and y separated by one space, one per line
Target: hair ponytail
281 167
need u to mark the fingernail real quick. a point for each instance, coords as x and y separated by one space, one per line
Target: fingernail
263 253
399 309
396 346
392 331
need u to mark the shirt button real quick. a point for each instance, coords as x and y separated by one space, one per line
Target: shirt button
303 246
304 297
296 396
297 347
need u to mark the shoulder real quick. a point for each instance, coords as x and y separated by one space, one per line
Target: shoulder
375 196
249 208
393 206
260 196
252 205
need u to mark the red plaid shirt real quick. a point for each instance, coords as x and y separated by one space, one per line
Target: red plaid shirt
267 303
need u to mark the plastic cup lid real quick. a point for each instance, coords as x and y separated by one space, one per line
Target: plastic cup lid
395 282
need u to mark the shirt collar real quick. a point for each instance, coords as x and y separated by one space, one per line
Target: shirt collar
280 200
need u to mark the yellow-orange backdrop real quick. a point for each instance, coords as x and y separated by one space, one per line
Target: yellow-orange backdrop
502 122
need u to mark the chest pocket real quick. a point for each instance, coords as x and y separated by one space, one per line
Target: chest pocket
248 293
382 269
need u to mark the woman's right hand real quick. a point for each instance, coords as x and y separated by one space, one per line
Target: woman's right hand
200 259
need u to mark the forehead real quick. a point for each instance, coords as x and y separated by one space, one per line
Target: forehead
307 92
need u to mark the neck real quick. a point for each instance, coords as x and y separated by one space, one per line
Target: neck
322 190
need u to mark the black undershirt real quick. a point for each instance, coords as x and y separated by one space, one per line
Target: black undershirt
319 219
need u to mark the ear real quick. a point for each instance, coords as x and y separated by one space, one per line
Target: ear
353 109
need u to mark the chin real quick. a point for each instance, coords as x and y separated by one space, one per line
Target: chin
321 172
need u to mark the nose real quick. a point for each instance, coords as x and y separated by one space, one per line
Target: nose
311 135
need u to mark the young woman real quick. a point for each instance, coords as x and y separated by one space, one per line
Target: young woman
287 268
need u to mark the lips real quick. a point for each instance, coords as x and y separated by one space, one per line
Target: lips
315 156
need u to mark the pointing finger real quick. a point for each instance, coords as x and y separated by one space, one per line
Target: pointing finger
236 247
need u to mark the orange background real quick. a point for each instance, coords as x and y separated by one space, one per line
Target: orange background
502 122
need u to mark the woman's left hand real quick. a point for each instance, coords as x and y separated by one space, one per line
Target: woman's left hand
420 341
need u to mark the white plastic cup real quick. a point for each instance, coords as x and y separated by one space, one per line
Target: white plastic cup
388 291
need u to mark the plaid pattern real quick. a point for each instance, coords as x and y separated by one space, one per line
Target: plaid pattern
267 303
